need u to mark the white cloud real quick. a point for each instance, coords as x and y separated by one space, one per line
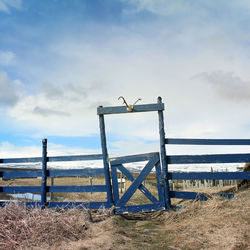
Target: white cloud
8 150
7 58
131 147
9 90
89 76
160 7
6 5
228 86
49 112
182 7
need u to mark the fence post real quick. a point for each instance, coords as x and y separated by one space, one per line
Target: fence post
163 157
51 184
105 160
44 174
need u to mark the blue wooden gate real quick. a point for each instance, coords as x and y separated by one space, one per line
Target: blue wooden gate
153 161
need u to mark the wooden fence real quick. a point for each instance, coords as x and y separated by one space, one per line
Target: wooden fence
44 173
159 161
204 159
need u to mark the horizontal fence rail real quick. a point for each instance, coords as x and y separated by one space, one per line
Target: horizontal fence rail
185 141
214 158
53 189
21 160
52 173
209 176
52 159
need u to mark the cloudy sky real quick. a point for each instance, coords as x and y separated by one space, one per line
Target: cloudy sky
60 60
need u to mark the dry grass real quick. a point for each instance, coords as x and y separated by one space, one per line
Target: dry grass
215 224
23 228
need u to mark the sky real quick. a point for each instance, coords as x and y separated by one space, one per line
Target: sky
60 60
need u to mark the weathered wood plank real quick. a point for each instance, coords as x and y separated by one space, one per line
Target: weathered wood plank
53 159
115 185
188 195
87 188
131 190
132 158
217 158
53 173
44 173
141 187
187 141
75 158
30 204
140 208
76 172
20 174
209 176
105 160
123 109
224 195
160 184
21 160
164 162
55 189
21 189
196 196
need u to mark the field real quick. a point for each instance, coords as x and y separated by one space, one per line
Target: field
214 224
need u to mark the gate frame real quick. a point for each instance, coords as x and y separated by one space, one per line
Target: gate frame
159 107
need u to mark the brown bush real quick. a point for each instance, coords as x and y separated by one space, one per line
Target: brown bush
21 227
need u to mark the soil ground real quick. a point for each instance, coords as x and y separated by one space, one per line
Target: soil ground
218 223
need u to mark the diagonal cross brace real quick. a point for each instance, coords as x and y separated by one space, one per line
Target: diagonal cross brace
131 190
141 187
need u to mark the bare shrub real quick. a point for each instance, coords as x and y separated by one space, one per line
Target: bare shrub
21 227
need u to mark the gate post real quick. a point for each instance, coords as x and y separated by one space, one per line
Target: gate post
163 157
105 159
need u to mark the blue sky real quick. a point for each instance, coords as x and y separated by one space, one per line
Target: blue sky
60 60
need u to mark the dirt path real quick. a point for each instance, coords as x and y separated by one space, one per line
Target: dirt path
214 224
